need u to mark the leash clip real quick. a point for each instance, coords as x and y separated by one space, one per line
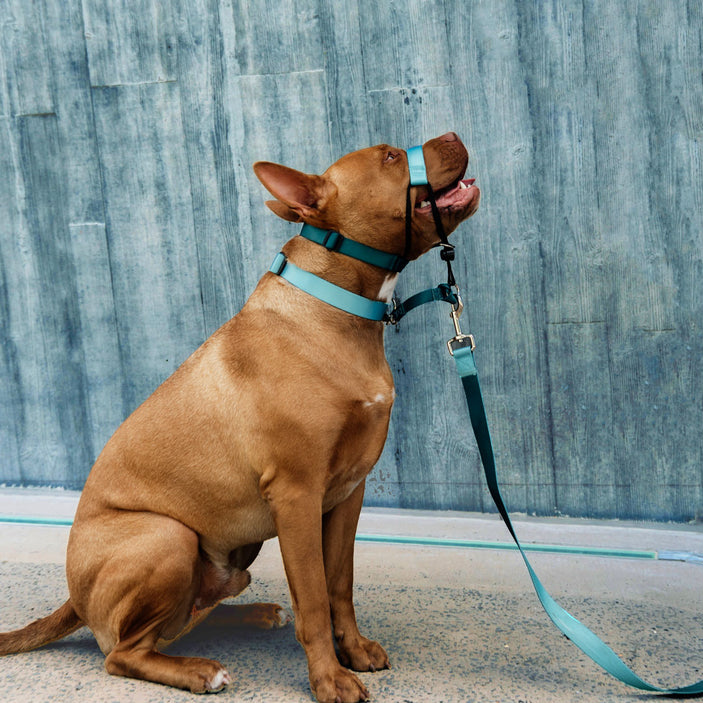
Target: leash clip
393 316
460 340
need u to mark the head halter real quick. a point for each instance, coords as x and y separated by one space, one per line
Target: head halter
356 304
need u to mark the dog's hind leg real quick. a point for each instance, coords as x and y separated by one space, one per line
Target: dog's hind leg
258 616
139 659
142 585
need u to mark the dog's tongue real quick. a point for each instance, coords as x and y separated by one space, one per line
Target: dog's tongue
450 196
455 194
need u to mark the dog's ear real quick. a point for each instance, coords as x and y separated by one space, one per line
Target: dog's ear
298 195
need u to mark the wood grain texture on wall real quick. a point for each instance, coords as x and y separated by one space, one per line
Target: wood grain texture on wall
132 225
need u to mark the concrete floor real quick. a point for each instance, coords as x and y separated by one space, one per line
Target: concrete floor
461 625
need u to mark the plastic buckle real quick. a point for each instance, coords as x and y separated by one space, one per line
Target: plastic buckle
398 264
333 241
447 253
279 263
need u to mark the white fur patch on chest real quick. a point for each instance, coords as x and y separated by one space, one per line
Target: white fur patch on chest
380 399
388 288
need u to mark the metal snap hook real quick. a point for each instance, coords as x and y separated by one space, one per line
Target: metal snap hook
460 339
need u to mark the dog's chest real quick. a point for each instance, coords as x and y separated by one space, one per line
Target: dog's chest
359 443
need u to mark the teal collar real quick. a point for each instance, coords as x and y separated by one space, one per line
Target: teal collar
327 292
345 300
333 241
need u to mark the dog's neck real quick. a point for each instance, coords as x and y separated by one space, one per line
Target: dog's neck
355 276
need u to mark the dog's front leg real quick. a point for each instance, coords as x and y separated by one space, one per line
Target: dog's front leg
298 517
338 534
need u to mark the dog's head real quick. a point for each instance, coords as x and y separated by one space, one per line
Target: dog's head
363 195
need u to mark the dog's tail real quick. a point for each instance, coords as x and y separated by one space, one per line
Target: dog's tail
53 627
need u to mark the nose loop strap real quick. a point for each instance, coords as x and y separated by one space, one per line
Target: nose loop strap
418 177
416 165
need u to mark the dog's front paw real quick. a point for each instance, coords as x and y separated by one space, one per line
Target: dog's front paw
363 655
338 686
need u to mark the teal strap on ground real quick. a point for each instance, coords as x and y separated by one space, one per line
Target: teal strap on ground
416 165
578 633
327 292
334 241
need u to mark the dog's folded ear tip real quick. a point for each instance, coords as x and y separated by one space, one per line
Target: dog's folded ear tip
283 211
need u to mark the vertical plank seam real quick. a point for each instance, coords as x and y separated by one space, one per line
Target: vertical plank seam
100 166
548 381
187 153
101 169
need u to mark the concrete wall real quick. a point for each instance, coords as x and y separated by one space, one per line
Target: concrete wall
131 225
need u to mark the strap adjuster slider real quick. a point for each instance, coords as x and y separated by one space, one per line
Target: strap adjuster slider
279 263
333 241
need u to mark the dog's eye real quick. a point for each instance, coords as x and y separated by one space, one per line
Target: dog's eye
390 156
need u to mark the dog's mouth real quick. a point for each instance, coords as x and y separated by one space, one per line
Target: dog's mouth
456 196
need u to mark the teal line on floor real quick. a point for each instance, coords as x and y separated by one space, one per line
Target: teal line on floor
689 557
484 544
37 521
418 541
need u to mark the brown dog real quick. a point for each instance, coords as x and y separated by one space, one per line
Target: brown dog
269 428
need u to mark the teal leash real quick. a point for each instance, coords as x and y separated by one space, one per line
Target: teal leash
579 634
